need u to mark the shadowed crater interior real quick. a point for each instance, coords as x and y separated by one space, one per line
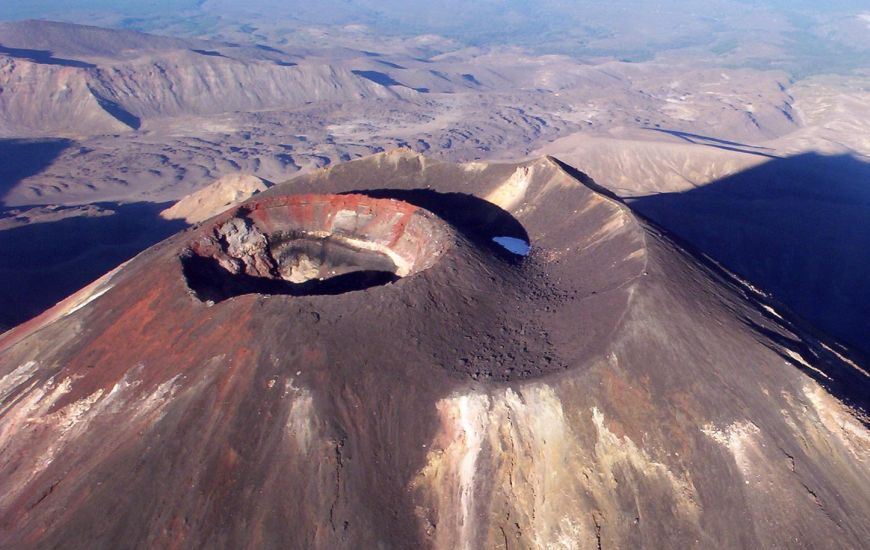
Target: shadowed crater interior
312 245
478 220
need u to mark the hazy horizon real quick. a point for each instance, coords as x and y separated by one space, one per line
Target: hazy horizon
799 37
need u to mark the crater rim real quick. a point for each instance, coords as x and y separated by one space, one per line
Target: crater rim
312 244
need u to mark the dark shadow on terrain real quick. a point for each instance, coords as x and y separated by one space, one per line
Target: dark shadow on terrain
476 219
211 282
286 63
43 263
840 378
386 80
119 113
584 178
22 158
798 228
378 78
716 142
209 53
266 48
390 64
468 77
44 57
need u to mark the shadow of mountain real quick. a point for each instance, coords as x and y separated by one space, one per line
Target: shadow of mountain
390 64
119 113
21 158
270 49
697 139
43 263
44 57
796 227
210 53
584 178
385 80
378 78
468 77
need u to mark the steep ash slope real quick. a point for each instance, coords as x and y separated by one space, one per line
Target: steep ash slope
610 389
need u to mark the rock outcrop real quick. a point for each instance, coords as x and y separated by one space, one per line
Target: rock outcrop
213 199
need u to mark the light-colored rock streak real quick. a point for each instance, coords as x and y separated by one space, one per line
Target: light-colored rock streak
737 438
511 193
404 265
27 428
838 420
18 375
510 467
612 451
514 448
845 359
300 417
473 423
452 466
89 293
213 199
542 472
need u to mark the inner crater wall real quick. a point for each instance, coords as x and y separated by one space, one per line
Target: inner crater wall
309 238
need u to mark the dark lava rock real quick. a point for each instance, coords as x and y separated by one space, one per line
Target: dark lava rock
610 389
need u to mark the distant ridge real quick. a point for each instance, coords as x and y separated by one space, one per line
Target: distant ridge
61 79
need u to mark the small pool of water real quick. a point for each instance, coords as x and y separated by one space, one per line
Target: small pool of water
513 245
